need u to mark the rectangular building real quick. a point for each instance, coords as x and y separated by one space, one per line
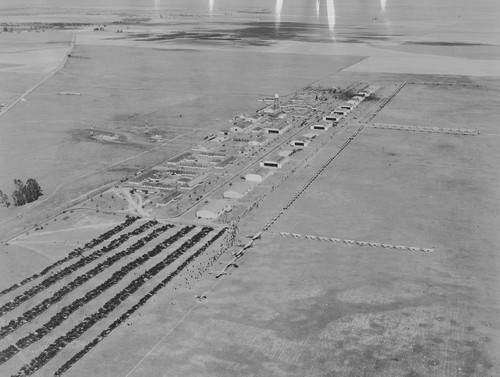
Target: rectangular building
258 141
278 128
214 209
320 127
332 118
225 163
300 142
275 163
258 175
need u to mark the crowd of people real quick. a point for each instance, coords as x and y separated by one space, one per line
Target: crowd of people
66 311
77 252
32 313
68 364
60 343
54 278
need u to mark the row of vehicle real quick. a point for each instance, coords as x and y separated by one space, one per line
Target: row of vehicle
79 355
66 311
32 313
60 343
75 253
56 277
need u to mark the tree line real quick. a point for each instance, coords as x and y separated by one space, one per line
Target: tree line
23 193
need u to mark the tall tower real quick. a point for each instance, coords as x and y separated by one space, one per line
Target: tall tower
91 129
276 102
146 130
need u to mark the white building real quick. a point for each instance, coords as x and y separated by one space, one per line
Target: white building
347 106
237 190
332 118
320 127
300 142
279 128
277 162
258 175
341 112
242 126
214 209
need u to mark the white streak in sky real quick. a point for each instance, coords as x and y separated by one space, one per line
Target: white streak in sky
382 5
157 6
211 6
277 14
330 8
317 8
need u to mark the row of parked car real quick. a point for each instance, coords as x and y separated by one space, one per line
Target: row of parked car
79 355
75 253
60 343
56 277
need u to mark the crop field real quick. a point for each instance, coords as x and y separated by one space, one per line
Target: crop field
59 312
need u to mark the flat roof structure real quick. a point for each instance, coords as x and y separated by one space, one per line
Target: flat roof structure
174 195
214 209
192 183
182 157
226 162
238 190
241 126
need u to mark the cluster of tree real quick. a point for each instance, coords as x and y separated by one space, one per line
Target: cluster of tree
23 193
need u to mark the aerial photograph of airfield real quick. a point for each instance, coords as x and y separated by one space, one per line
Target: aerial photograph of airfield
235 188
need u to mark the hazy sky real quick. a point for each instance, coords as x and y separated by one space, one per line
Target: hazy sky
467 17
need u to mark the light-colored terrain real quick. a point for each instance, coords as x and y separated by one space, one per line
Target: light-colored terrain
294 306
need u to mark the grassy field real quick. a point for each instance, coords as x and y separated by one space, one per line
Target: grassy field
294 306
299 307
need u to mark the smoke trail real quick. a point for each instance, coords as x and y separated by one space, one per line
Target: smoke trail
330 8
277 14
211 6
157 6
382 5
317 9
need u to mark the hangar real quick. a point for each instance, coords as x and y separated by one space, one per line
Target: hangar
214 209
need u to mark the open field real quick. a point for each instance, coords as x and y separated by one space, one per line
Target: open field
378 253
306 307
130 263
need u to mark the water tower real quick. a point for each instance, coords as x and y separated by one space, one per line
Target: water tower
276 102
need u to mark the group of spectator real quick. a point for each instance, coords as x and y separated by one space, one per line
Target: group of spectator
54 348
59 295
69 364
54 278
77 252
